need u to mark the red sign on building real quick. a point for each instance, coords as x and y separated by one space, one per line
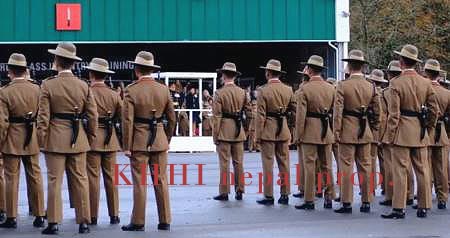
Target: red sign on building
68 16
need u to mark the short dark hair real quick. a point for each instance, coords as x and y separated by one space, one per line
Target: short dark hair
98 75
143 70
394 73
229 74
64 63
408 62
433 74
274 73
355 65
17 70
315 69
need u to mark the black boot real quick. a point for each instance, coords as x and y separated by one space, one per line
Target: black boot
305 206
39 221
114 220
266 201
396 213
2 216
327 204
442 205
10 223
133 227
386 203
284 200
164 227
93 221
421 212
415 206
221 197
238 196
300 194
337 199
51 229
365 207
83 228
346 208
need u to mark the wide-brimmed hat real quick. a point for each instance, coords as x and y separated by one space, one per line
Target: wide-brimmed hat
229 67
66 50
394 66
99 65
17 59
377 75
273 65
432 65
410 52
146 59
355 56
315 60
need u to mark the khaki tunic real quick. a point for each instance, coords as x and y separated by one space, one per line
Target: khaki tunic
60 94
107 100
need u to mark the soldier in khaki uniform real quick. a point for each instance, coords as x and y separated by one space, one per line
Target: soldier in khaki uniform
146 141
64 101
314 107
408 118
439 142
18 110
252 145
230 104
102 156
356 98
275 100
377 78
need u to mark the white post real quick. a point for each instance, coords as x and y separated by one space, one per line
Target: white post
200 102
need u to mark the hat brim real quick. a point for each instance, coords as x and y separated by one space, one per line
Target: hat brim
355 60
279 71
412 58
96 70
144 65
229 71
434 70
306 63
300 72
55 52
377 80
17 65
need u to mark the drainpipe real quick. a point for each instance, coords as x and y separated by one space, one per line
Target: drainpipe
336 50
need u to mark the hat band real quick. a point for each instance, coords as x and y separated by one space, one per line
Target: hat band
273 67
17 62
408 54
316 63
432 67
353 57
229 69
98 67
394 68
63 51
140 60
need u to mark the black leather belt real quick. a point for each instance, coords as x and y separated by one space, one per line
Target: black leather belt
279 116
324 119
362 117
75 119
422 116
152 123
237 117
28 120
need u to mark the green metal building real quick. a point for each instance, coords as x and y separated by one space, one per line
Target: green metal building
185 35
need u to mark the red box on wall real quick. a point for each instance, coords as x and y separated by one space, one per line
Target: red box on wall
68 16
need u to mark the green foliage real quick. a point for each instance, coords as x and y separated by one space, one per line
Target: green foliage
380 26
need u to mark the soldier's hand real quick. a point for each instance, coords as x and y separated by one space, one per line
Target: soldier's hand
127 153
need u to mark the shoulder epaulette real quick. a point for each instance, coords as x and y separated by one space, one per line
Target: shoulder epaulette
50 78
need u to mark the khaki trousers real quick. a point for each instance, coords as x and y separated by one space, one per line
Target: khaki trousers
439 165
279 150
311 154
235 152
373 157
142 160
2 188
336 155
410 182
387 175
34 183
301 172
252 145
103 162
348 154
75 166
381 165
402 158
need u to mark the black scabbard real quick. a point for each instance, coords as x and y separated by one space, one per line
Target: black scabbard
362 126
75 131
108 131
325 123
153 130
29 132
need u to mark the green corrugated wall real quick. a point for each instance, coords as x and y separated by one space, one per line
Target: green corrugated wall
172 20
